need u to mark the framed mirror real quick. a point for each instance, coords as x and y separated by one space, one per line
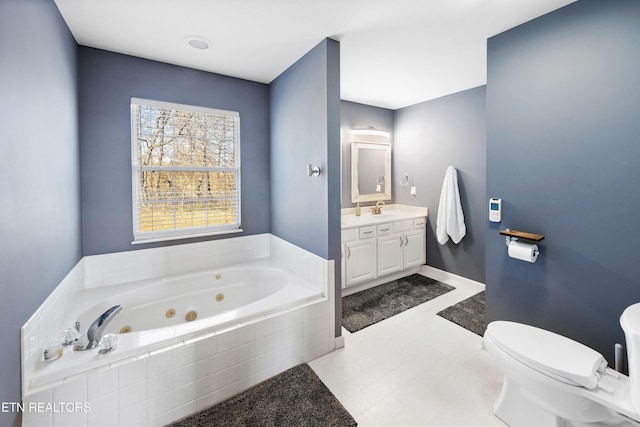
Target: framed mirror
370 171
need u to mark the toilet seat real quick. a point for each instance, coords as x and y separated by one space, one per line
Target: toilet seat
548 353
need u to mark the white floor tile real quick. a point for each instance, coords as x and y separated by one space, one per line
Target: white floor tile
414 369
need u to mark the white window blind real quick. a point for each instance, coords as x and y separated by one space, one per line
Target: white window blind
185 169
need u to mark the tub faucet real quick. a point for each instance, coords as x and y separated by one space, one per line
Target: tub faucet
95 331
377 210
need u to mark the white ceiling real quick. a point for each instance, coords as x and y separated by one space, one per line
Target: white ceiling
394 53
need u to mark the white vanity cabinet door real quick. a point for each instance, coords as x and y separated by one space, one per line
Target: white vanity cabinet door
343 274
390 255
360 262
415 251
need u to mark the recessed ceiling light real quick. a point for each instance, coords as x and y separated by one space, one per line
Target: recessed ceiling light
198 42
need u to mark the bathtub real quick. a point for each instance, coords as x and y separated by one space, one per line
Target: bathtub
201 322
157 313
213 299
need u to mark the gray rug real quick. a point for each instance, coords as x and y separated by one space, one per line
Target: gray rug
370 306
469 313
296 397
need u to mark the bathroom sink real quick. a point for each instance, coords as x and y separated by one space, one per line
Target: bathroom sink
390 213
387 214
368 217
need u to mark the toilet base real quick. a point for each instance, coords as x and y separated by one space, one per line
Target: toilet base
517 407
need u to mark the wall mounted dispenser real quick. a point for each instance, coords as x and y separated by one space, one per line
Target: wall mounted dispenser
495 210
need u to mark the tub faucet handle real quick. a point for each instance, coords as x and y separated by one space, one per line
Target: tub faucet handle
95 331
70 336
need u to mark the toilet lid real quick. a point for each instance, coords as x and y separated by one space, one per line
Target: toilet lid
548 353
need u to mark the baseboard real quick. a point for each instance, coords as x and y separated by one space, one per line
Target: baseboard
450 278
339 342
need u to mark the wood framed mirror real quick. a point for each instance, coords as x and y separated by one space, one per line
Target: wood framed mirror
370 171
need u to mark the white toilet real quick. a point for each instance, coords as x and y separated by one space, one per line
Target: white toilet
551 380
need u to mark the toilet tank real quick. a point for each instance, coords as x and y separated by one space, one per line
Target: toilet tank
630 322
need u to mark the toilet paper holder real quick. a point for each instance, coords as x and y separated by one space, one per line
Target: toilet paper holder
513 235
510 239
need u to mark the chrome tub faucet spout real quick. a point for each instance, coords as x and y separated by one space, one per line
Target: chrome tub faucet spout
95 331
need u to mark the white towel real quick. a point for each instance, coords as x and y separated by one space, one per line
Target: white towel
450 220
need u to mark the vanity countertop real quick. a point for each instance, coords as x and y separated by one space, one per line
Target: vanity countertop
348 218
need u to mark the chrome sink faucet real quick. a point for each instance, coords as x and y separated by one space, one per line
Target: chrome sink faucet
377 210
95 331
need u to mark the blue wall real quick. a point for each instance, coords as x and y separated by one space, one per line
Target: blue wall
107 81
40 194
430 137
305 120
360 116
563 103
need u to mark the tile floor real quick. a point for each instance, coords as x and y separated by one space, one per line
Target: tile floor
414 369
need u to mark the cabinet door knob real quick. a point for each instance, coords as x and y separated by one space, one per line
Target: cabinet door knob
401 242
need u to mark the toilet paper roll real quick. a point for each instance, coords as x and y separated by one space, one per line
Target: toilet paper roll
523 251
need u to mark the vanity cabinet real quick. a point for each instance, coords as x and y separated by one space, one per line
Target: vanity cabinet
374 251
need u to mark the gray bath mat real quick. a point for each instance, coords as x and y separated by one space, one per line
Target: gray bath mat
370 306
296 397
469 313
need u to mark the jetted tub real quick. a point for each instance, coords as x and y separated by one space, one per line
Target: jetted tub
157 313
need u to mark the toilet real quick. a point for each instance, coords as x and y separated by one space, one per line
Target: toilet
551 380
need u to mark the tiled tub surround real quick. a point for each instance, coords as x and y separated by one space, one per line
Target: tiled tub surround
177 374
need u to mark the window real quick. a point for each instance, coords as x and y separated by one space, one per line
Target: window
185 169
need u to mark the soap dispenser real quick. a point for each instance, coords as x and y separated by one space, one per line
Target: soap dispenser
357 209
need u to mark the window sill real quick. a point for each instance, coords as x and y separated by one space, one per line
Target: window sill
141 241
